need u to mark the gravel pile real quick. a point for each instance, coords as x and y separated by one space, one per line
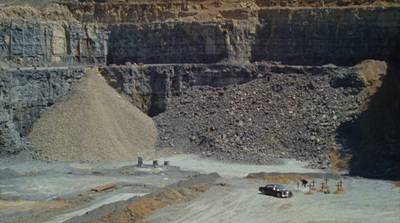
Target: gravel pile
283 114
93 123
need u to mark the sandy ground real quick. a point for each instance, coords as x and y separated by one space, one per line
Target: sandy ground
94 205
39 181
238 200
36 191
189 162
364 200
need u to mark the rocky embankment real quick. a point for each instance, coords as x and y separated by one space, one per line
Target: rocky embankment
255 112
284 113
327 115
207 72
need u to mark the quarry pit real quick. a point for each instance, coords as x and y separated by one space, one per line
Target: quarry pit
88 84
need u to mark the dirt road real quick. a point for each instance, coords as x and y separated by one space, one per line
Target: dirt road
364 200
239 201
233 198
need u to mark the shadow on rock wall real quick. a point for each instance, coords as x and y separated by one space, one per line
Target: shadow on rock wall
373 138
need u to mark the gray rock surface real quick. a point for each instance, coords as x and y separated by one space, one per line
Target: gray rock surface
25 96
180 42
290 115
248 113
150 87
343 36
45 43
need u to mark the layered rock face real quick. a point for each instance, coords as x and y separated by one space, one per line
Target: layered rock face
216 44
170 33
342 36
44 43
25 95
151 87
185 42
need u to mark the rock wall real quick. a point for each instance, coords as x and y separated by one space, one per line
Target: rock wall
317 36
181 42
342 36
38 43
150 87
24 96
322 3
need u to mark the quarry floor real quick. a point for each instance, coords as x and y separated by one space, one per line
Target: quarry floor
48 192
363 201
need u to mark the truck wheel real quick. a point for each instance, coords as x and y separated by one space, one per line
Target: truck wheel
279 195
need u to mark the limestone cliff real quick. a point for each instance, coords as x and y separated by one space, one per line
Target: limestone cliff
153 52
342 36
39 43
25 95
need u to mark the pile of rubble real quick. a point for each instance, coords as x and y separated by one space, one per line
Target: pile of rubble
284 114
93 123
